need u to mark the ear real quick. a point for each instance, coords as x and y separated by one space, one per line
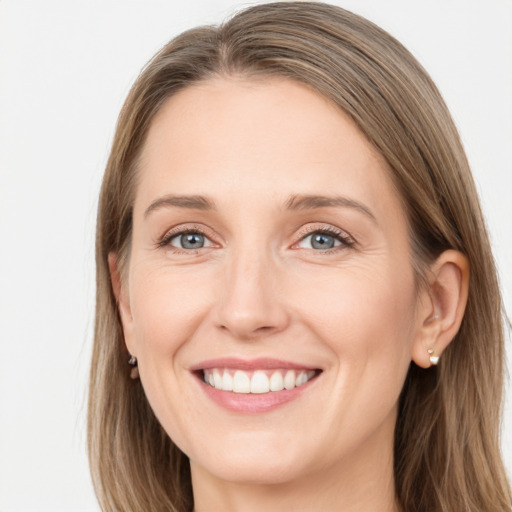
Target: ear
120 288
441 307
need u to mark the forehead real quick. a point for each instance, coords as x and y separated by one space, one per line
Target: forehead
240 137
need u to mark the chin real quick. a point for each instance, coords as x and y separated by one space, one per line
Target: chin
255 472
253 459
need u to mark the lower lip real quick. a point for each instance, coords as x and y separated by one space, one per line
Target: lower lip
254 403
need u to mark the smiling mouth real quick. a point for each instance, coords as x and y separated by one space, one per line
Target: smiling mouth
256 381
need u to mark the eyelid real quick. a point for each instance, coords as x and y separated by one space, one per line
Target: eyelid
345 238
341 235
179 236
183 229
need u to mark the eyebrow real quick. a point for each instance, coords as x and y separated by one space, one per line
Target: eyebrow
311 202
294 203
191 202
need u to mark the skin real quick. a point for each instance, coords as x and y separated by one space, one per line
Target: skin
258 288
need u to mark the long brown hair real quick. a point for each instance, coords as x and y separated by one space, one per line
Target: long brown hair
447 446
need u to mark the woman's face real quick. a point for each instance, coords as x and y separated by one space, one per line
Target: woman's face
270 257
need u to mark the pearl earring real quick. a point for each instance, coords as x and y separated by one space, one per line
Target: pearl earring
433 359
134 371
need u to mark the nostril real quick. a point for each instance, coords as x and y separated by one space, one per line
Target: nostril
248 332
265 328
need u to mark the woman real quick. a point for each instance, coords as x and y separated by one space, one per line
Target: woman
297 306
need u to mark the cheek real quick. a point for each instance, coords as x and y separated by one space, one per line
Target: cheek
366 319
362 311
166 309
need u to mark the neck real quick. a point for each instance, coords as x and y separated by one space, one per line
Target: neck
361 482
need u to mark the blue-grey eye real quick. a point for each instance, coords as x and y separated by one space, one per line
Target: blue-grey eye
322 241
189 241
319 240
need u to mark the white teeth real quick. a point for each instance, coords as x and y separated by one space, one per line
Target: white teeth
303 377
260 383
289 379
241 382
257 382
217 379
276 382
227 382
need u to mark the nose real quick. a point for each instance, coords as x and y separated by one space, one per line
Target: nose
251 304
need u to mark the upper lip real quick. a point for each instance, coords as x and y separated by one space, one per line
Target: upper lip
262 363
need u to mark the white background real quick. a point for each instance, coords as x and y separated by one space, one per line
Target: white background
65 69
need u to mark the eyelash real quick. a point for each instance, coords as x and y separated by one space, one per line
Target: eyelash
169 236
341 236
346 240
